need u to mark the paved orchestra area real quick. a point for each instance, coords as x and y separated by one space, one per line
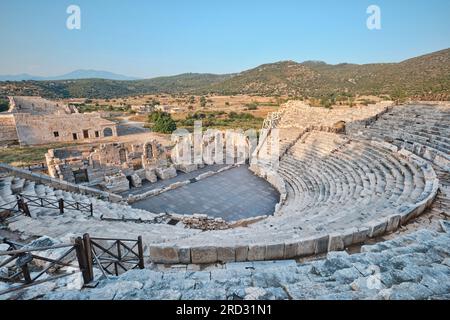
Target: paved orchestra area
232 195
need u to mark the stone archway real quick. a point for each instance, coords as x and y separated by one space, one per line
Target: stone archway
108 132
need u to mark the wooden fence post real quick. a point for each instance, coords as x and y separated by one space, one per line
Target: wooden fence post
24 207
61 205
119 256
88 255
141 253
81 256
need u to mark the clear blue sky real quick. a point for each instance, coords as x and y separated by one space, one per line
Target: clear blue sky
148 38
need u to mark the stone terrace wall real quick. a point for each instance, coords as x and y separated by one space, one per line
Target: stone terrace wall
8 132
58 184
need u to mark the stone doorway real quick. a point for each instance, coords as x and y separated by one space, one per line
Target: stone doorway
81 176
108 132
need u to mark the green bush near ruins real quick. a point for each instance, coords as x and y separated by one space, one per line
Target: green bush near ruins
4 105
221 120
162 122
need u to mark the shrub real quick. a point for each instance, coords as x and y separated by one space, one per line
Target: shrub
203 102
4 105
162 122
252 106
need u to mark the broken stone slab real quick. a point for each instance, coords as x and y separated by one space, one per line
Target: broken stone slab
136 181
150 175
166 173
186 168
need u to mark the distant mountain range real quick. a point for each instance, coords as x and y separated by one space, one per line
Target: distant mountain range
74 75
424 77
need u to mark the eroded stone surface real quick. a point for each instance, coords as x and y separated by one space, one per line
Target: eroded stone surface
408 267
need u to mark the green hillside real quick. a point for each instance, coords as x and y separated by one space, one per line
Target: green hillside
426 77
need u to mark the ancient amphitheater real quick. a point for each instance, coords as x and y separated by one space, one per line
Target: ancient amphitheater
375 176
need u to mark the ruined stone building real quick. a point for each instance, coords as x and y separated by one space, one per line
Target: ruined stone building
34 121
114 167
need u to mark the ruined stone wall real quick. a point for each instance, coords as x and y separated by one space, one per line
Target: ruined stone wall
58 184
38 106
110 165
8 131
43 129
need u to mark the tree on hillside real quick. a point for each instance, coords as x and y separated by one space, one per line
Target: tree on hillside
203 102
162 122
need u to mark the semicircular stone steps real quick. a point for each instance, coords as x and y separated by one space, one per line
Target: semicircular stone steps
335 186
421 129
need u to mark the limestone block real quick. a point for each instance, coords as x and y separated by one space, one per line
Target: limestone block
290 250
377 228
150 175
164 255
321 245
136 181
256 252
186 168
226 254
306 247
202 255
241 253
347 237
274 252
166 173
407 213
336 242
184 255
393 223
360 235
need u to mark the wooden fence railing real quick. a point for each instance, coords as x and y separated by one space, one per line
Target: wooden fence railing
23 256
111 256
27 201
11 206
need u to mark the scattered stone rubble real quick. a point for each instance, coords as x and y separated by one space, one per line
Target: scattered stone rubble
201 222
